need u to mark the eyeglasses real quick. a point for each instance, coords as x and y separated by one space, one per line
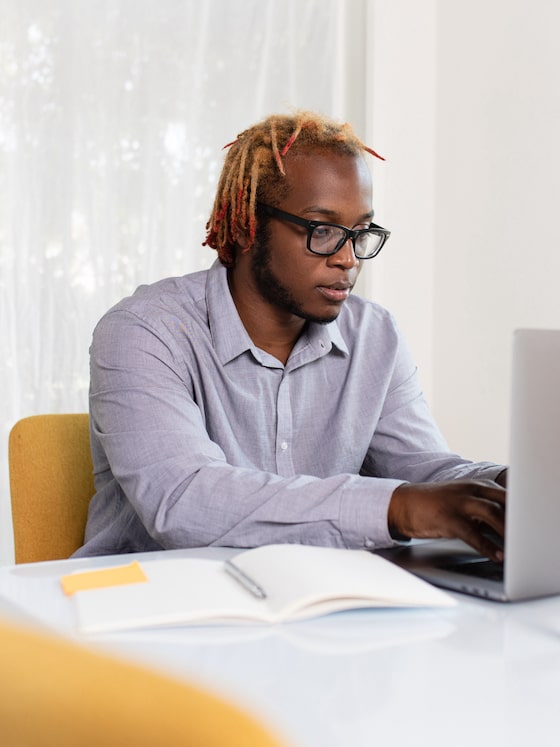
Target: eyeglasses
327 238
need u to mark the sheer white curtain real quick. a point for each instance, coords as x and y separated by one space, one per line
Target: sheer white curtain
113 114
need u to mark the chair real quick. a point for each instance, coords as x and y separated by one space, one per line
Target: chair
54 693
51 484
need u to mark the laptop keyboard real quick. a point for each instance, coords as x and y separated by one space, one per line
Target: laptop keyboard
487 569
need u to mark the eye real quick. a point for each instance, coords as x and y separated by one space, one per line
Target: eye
324 232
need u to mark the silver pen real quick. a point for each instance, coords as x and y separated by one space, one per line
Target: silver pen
245 580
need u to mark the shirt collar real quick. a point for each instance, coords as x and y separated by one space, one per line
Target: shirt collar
228 333
231 338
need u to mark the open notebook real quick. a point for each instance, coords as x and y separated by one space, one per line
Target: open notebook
272 583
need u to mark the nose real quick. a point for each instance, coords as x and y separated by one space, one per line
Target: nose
345 256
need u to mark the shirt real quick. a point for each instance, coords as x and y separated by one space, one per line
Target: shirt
200 438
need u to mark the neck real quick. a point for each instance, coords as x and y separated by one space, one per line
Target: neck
272 330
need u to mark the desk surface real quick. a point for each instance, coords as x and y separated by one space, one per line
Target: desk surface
480 673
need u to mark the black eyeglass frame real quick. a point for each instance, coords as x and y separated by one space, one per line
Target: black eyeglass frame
311 225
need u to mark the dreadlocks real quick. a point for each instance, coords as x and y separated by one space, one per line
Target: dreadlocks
254 170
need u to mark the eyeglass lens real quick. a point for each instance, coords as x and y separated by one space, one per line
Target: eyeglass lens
327 239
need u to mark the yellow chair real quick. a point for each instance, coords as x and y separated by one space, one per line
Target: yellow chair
51 484
54 693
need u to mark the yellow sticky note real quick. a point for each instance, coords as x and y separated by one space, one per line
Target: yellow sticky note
102 577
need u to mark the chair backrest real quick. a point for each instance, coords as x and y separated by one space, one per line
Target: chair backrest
55 693
51 484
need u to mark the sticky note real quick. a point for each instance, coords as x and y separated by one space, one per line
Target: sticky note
102 577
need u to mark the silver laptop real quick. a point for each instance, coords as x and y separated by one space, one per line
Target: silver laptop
532 546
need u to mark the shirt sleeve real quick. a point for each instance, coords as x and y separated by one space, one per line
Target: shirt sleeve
408 442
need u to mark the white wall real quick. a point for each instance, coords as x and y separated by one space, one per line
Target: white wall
401 98
497 198
466 103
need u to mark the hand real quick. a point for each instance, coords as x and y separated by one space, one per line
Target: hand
462 509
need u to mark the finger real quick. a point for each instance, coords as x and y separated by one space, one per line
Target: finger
489 490
487 514
470 532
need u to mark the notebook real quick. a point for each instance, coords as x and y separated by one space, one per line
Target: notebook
532 544
268 584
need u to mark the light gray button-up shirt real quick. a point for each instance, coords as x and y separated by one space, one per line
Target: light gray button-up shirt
200 438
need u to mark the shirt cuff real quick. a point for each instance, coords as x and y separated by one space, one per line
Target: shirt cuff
491 472
363 513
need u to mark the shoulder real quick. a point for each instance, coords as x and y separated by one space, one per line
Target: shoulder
376 345
361 319
156 303
373 338
154 320
169 293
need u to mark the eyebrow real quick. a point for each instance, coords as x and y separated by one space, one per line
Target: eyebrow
331 214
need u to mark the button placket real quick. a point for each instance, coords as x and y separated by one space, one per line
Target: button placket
284 425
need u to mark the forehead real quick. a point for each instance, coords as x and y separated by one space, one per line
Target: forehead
326 179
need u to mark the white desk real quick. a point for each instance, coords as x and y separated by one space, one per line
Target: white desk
477 674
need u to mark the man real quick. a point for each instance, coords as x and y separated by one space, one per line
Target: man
260 402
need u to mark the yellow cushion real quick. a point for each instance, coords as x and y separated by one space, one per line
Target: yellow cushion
51 484
54 693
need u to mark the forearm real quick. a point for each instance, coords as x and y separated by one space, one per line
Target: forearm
218 504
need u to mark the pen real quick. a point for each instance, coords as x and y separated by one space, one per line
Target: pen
245 580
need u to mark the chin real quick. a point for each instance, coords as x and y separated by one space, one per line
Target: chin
326 318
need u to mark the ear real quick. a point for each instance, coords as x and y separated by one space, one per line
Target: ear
242 240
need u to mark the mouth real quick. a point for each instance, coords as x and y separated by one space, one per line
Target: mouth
335 292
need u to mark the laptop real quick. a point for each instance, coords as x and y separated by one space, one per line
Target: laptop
531 566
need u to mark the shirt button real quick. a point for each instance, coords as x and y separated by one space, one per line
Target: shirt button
370 544
284 445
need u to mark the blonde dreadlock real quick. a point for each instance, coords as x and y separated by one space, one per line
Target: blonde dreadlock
254 169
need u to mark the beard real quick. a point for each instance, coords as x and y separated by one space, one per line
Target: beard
271 288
